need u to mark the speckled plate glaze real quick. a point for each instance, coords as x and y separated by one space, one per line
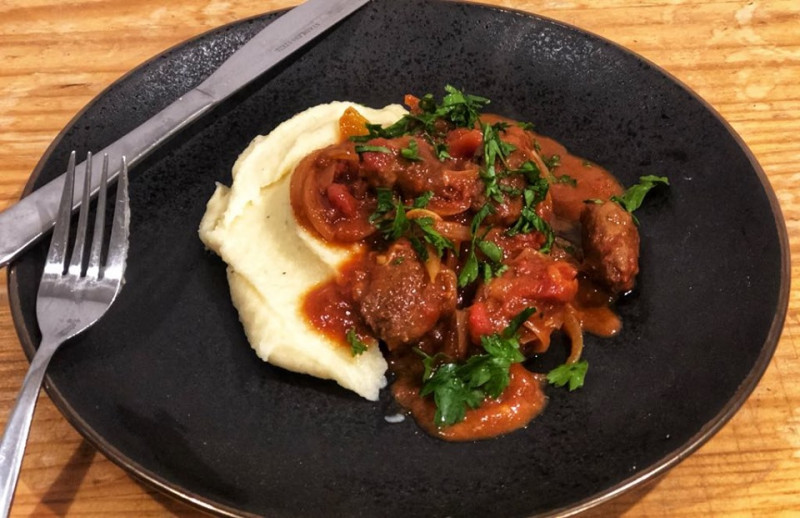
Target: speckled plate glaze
167 386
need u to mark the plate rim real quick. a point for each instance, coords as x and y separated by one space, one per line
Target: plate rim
638 479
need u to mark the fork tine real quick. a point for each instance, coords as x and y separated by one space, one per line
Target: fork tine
57 254
93 269
76 263
118 242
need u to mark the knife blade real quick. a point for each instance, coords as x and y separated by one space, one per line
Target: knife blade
24 223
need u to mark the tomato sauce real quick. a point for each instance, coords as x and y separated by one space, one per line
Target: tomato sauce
330 308
522 400
406 291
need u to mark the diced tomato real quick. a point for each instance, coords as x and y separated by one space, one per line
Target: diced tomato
342 200
463 142
478 322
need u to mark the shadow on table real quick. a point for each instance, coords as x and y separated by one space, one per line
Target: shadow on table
61 494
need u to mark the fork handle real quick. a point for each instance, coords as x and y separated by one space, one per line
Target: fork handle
15 437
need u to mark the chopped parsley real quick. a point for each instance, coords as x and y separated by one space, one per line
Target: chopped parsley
564 178
457 108
569 373
633 197
357 347
418 231
373 149
442 153
532 195
472 266
460 109
552 162
422 201
411 152
457 386
494 149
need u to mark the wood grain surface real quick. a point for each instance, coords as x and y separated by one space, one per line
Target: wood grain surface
741 56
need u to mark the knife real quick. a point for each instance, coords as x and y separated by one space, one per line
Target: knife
24 223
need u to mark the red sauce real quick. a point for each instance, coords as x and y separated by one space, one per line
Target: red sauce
591 181
522 400
593 305
399 292
329 307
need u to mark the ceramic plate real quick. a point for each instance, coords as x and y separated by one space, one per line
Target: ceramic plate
167 386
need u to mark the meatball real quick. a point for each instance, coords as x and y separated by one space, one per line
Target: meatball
398 299
610 243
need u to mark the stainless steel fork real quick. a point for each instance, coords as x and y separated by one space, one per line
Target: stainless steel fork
70 300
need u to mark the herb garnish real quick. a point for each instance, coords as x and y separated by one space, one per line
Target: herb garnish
357 347
458 386
532 195
632 199
457 108
552 162
472 266
373 149
417 230
422 201
569 373
564 178
411 152
494 149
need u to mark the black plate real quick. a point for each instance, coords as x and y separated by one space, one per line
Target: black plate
167 386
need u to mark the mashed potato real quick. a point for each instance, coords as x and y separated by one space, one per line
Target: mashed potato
273 262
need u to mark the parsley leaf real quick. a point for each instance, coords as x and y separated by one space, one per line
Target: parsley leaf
633 197
457 386
441 150
385 204
357 347
552 162
398 226
422 201
494 149
432 237
411 152
491 250
471 269
457 108
569 373
564 178
401 127
532 195
418 230
517 322
373 149
469 272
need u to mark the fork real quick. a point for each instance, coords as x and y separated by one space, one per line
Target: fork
70 300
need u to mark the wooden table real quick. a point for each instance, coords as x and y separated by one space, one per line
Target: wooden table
742 56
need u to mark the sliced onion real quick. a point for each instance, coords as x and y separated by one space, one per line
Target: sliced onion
572 326
423 213
433 264
453 231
